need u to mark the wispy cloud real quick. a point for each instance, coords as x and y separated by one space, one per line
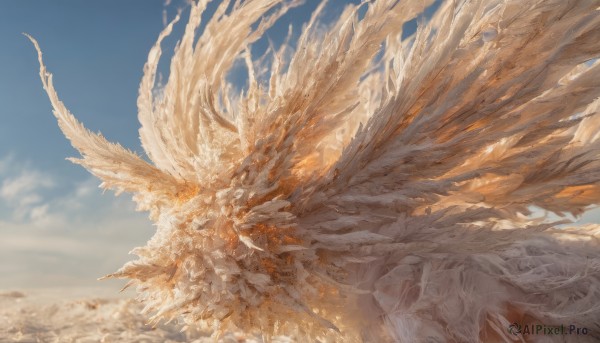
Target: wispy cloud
24 184
21 193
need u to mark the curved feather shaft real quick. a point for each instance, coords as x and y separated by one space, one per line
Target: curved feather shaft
118 168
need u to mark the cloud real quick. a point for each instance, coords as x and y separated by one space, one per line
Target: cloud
24 184
21 190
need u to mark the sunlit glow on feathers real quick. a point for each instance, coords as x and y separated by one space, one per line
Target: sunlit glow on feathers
365 187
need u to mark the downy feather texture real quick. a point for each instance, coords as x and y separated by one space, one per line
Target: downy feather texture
366 186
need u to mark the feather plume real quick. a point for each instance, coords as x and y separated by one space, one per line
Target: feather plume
376 187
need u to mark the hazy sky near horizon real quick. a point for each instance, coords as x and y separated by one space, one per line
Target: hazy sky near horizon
57 229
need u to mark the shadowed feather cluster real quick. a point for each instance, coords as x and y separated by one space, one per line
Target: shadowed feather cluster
365 185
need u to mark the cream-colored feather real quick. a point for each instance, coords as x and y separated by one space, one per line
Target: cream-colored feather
370 188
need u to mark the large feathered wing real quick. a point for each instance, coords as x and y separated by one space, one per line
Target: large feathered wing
366 185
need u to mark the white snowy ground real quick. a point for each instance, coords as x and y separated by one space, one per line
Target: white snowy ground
86 316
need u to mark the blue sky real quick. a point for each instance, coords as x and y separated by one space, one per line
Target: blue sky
57 229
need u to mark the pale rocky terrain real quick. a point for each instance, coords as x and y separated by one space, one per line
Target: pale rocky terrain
86 316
